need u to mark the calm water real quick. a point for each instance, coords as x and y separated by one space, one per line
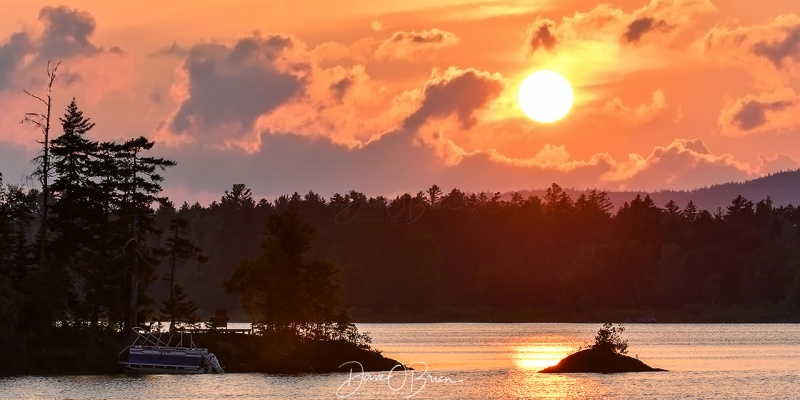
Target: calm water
473 361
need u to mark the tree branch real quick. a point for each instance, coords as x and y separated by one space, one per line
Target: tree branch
35 96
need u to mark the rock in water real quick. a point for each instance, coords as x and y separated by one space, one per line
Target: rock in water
599 360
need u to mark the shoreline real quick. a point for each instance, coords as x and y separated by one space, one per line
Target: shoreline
690 315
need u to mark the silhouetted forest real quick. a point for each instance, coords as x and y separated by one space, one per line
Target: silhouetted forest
782 187
449 254
433 255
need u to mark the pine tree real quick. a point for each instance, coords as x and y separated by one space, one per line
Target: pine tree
180 308
73 155
141 186
72 210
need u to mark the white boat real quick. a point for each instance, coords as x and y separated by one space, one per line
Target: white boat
154 353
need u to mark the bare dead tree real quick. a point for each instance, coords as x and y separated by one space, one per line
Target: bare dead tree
42 122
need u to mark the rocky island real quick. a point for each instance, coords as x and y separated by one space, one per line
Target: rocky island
607 355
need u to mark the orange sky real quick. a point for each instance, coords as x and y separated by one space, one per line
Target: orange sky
391 97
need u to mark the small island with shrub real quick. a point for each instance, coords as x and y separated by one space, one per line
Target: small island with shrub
607 355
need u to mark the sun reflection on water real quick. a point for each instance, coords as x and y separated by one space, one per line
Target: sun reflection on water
536 357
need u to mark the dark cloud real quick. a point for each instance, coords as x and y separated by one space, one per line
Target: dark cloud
69 78
540 35
174 50
116 50
459 92
288 163
640 26
11 53
66 33
16 163
780 50
403 44
341 87
269 47
394 164
433 36
236 85
754 113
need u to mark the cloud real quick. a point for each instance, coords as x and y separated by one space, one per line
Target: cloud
341 87
553 157
69 78
779 50
336 53
397 164
16 162
640 26
300 163
173 50
230 87
607 24
753 114
66 33
768 111
777 163
11 55
541 35
406 45
776 42
344 105
683 164
633 116
230 93
456 92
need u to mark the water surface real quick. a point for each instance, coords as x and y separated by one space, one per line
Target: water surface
494 361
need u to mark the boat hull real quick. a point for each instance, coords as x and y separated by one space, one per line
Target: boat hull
170 360
161 370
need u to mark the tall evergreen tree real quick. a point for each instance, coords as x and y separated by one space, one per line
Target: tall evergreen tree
141 187
73 211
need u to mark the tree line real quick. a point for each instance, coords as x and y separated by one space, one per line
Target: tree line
453 254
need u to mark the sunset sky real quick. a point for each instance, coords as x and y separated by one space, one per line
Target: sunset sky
387 97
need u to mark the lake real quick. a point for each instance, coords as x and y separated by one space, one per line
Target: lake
470 360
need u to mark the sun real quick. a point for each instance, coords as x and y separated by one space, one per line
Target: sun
545 96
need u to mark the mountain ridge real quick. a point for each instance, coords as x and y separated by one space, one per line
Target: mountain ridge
783 188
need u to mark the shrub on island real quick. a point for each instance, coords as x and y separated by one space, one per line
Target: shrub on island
606 355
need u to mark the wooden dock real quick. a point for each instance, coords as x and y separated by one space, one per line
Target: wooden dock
245 331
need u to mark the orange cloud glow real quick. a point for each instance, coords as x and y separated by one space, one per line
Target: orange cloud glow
394 96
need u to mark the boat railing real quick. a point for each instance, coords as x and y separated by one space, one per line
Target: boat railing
159 339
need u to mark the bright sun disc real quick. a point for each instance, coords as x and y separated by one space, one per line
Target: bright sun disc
545 96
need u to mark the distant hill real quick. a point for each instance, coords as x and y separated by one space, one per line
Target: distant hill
782 187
